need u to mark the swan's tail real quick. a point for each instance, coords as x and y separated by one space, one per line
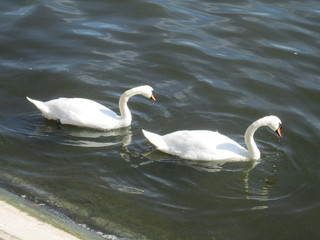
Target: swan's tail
155 139
40 105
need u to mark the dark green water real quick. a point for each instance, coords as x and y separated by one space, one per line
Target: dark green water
213 65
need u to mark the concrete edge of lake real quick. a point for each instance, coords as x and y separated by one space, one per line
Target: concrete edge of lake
21 219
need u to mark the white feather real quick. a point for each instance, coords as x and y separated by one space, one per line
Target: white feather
87 113
209 145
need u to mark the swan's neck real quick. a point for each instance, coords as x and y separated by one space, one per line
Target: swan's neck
125 113
253 150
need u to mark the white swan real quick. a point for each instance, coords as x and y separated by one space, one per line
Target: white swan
209 145
87 113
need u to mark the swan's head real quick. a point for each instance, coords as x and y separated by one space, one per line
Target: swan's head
274 123
145 90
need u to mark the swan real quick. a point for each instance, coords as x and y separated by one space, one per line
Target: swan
87 113
208 145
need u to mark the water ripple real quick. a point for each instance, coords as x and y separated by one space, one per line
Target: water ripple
213 65
21 11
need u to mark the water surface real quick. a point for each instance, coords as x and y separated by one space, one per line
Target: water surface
213 65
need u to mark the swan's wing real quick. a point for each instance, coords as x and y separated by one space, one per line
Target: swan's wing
202 145
79 111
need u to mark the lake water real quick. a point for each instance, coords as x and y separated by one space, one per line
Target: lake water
213 65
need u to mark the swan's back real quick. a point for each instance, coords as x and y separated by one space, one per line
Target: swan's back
79 112
198 145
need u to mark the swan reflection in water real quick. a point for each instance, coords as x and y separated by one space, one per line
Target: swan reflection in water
254 180
98 139
86 137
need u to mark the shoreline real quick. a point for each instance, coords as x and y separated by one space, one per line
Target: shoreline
15 224
21 219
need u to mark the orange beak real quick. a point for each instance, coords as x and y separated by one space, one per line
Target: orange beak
153 98
278 132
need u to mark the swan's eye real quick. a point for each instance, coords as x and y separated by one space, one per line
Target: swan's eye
280 125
